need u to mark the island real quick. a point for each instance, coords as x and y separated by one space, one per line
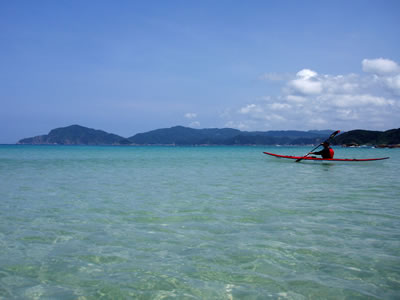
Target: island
379 139
76 135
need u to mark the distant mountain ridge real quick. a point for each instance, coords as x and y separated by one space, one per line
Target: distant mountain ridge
180 135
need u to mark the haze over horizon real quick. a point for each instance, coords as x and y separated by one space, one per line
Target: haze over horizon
128 67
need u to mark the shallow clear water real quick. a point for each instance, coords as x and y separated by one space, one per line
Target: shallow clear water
197 223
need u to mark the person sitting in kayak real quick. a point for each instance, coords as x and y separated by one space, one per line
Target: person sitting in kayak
327 152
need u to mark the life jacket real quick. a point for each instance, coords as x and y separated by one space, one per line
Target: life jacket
331 153
326 153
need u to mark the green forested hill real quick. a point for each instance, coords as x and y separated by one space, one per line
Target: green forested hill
180 135
367 137
76 135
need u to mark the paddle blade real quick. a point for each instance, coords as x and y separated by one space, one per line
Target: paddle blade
334 134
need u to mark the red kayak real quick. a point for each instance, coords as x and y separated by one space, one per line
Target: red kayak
313 158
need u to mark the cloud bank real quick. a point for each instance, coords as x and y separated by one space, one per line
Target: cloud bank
310 100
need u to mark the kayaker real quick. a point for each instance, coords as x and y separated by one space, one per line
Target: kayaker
327 152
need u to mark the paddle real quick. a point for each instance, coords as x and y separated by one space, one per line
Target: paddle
331 137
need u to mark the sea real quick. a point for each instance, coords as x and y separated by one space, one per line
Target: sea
206 222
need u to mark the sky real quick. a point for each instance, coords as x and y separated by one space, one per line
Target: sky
128 67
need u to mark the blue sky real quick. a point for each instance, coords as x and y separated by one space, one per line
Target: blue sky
133 66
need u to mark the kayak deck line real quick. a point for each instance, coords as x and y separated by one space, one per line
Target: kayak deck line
312 158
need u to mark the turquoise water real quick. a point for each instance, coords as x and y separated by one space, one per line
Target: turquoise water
197 223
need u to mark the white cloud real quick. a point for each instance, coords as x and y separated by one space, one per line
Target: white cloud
275 117
394 83
310 101
380 66
296 98
318 122
306 74
347 114
358 100
341 84
279 106
194 124
306 83
190 115
251 108
239 125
